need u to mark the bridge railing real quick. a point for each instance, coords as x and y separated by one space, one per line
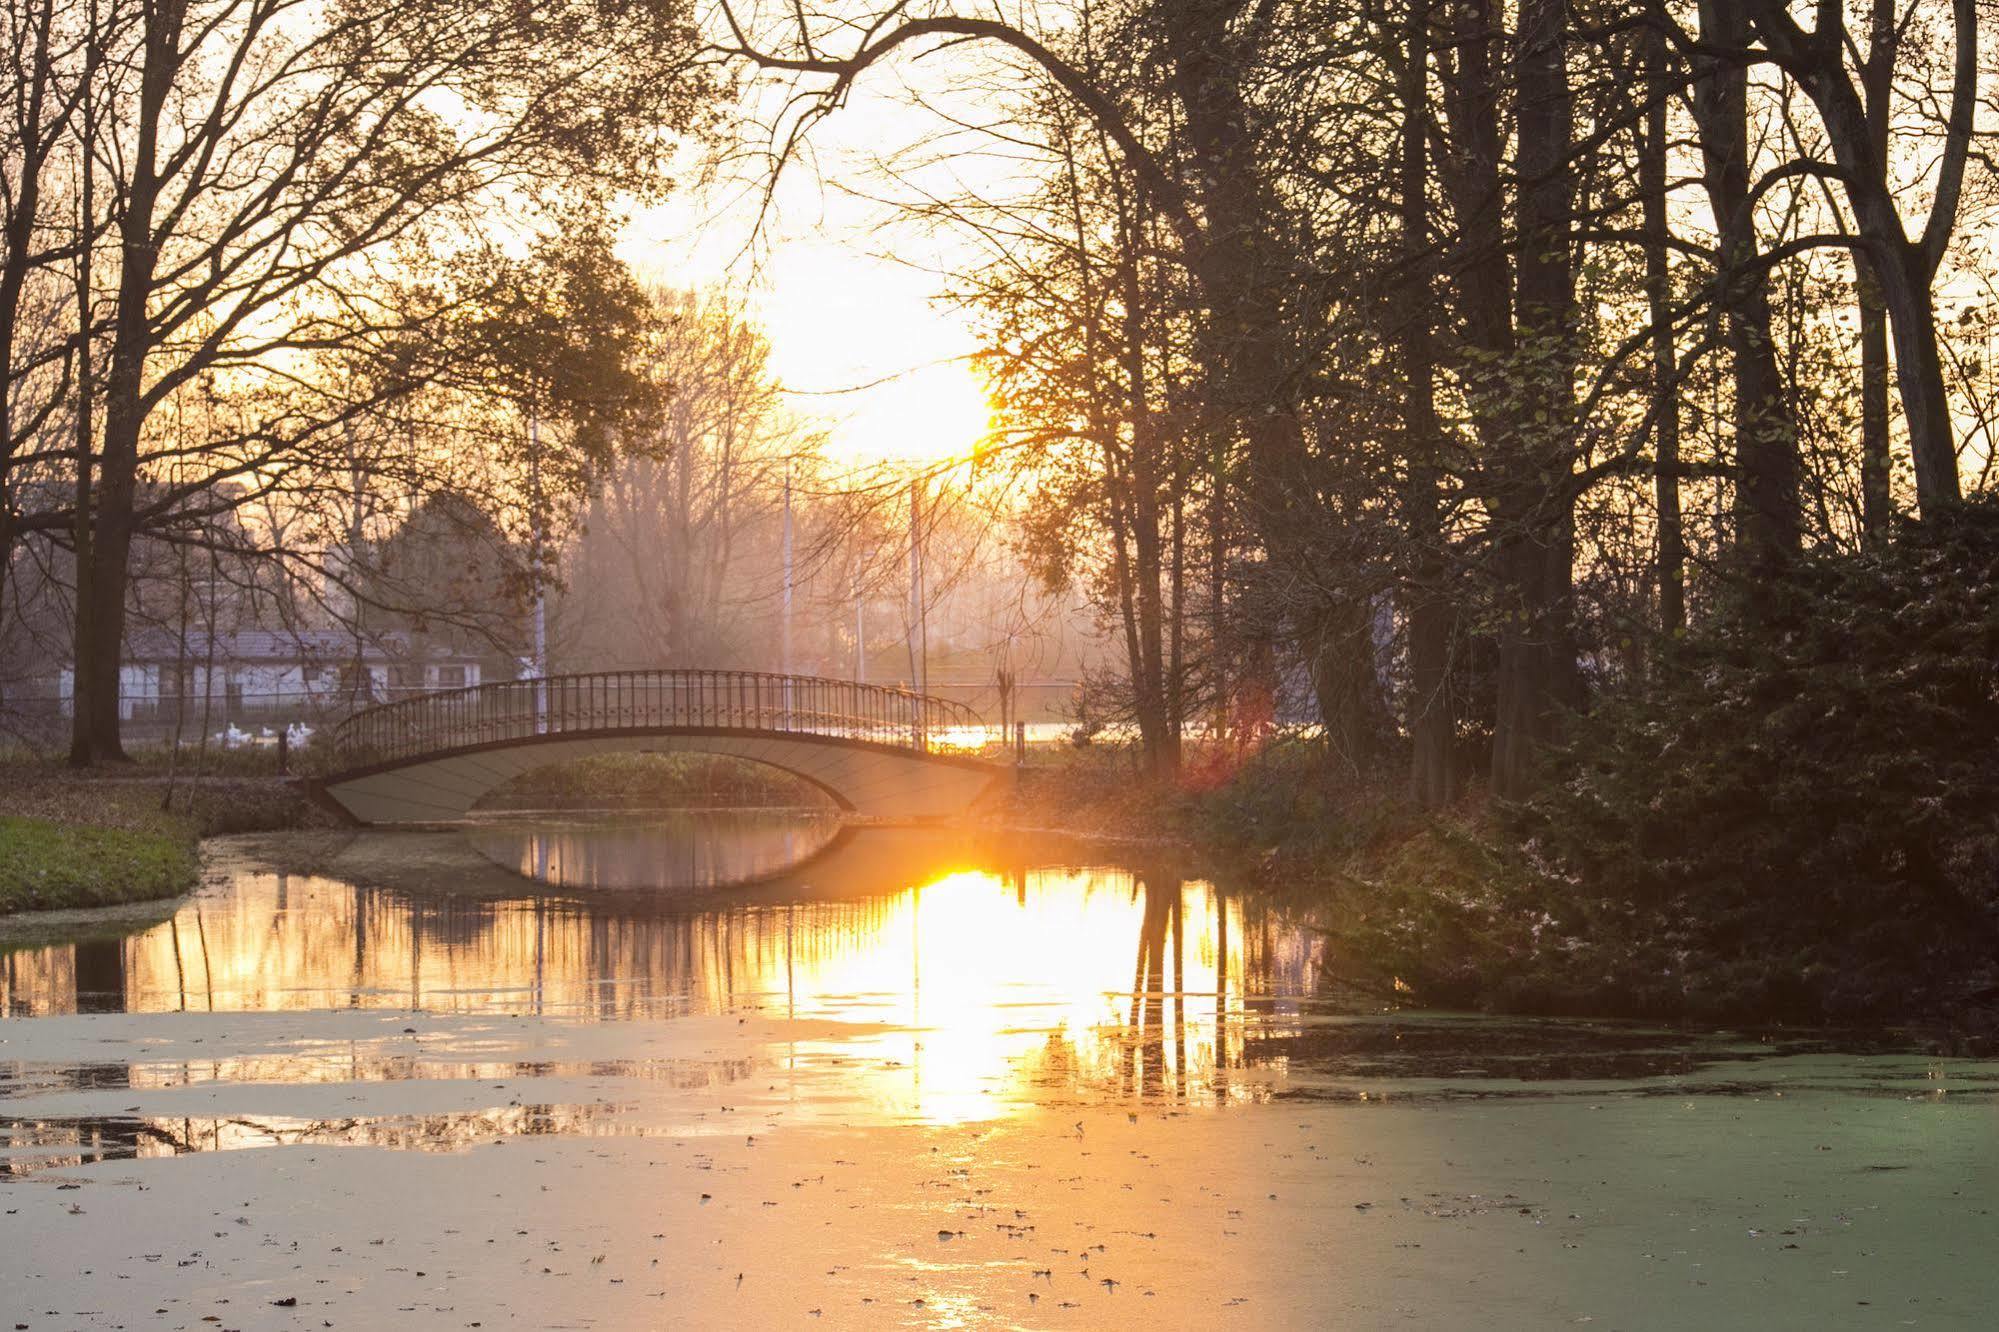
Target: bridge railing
646 700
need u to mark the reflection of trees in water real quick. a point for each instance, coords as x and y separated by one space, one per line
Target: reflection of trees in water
1206 968
336 945
703 850
100 976
59 1144
46 1143
1162 1058
276 942
1147 980
36 981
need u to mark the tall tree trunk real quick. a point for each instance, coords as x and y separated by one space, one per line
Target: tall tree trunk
1876 469
1176 643
101 616
1148 668
1480 266
1245 347
83 645
1905 289
1432 720
1904 268
19 235
35 141
1483 279
1766 436
1672 540
1338 642
1126 577
1533 499
1877 87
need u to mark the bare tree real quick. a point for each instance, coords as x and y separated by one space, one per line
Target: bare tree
1903 266
667 523
263 164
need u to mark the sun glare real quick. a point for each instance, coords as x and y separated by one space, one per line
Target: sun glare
931 414
990 994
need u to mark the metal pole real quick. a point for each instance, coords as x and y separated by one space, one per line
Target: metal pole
787 568
918 612
787 592
860 629
535 571
919 650
362 684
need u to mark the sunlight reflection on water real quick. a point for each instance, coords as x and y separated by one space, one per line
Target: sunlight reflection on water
956 997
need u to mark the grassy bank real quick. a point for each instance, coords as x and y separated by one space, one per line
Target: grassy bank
46 866
97 837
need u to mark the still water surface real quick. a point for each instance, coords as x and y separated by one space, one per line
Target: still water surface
794 1003
969 981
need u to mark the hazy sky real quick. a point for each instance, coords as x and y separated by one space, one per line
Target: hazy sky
844 289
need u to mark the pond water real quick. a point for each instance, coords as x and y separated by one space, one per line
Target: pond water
768 1069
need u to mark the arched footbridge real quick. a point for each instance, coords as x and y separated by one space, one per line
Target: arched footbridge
872 749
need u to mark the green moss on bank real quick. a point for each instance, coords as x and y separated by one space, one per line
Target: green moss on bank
47 866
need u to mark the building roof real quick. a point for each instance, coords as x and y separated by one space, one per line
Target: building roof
288 647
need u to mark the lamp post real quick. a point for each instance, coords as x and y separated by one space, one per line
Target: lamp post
535 575
786 649
920 609
787 569
919 618
860 626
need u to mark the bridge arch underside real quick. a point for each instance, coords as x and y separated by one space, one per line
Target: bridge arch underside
878 781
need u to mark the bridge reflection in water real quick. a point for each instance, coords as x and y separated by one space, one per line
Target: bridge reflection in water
692 850
995 987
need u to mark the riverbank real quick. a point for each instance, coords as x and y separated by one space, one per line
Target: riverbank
80 838
1458 909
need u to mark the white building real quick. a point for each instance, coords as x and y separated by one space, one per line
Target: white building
273 675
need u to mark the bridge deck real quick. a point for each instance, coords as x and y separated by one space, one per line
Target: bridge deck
654 700
872 748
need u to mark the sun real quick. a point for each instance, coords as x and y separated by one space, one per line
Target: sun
930 414
861 344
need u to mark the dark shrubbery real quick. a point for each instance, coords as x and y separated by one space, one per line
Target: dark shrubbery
1798 812
1794 815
